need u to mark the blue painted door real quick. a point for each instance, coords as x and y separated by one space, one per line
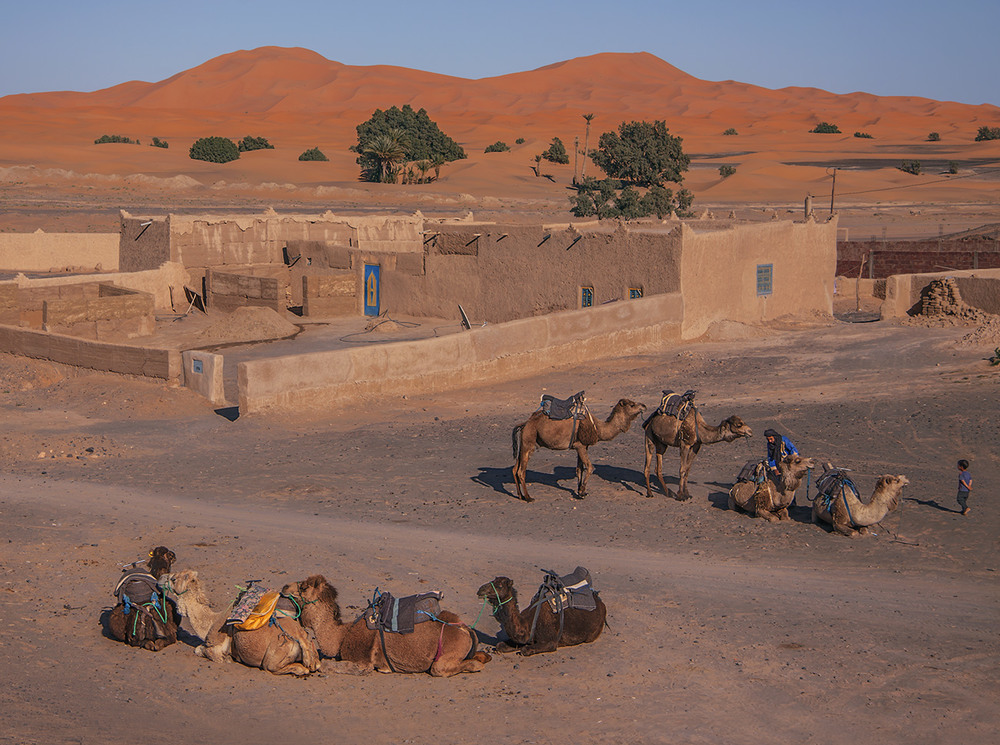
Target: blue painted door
371 289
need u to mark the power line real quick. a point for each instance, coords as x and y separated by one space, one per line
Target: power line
913 186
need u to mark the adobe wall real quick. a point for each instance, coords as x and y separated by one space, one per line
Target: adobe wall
980 289
499 352
165 284
94 355
331 295
886 258
228 291
115 313
478 265
719 272
143 242
58 252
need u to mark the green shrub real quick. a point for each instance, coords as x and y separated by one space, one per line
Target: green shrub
952 166
607 199
157 142
249 143
825 128
863 135
214 150
313 153
497 147
519 141
934 137
556 152
988 133
104 139
400 135
730 131
641 153
727 171
910 166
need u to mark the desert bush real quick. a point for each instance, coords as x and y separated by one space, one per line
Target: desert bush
249 143
214 150
863 135
608 199
731 131
988 133
313 153
934 137
519 141
402 135
157 142
497 147
727 171
952 166
641 153
825 128
104 139
556 152
910 166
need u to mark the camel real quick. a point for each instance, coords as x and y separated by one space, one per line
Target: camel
850 516
689 434
770 500
577 626
150 623
563 434
442 647
281 647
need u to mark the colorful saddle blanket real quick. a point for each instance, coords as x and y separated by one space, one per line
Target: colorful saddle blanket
574 590
255 606
564 408
833 484
399 615
755 471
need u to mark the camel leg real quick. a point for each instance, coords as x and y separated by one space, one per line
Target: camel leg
762 505
454 661
783 514
845 529
583 469
214 652
687 458
660 450
650 450
539 648
521 470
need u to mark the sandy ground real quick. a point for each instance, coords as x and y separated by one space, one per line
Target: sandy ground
722 628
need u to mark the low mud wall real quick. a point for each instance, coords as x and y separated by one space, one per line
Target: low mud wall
228 291
903 293
330 295
501 352
165 284
58 252
116 312
94 355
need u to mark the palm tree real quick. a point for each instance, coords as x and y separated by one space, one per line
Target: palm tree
423 166
586 142
387 151
436 162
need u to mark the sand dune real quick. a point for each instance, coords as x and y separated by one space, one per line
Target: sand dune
299 99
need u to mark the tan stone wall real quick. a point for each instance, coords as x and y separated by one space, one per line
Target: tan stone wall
115 314
499 352
330 295
719 272
979 288
228 291
68 350
45 252
165 284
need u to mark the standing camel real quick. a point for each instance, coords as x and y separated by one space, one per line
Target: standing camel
281 648
442 646
771 499
150 620
688 434
563 434
849 515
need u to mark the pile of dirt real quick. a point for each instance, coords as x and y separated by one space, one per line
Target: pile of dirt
249 324
943 306
383 326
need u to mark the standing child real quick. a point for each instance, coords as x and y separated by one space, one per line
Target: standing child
964 485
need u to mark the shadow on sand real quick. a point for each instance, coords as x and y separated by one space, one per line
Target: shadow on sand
501 480
932 503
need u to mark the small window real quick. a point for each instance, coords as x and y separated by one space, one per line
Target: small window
634 293
765 279
586 297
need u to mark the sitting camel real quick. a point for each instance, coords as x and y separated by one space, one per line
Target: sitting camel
850 516
538 628
281 647
689 434
563 434
443 646
770 499
146 619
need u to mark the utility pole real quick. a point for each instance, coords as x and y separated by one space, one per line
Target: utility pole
833 188
576 155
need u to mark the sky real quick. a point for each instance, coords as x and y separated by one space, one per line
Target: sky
949 51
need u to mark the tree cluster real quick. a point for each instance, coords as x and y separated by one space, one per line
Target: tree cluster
249 143
396 136
313 153
608 199
214 150
988 133
497 147
105 139
157 142
825 128
641 154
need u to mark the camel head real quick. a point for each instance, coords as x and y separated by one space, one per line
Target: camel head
498 592
795 466
734 428
160 560
314 589
178 583
629 408
889 487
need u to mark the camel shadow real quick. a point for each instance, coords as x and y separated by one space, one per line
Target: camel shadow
498 479
931 503
627 477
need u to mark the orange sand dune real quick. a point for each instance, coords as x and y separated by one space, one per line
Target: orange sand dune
299 99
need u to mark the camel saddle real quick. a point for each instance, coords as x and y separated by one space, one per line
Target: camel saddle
833 484
676 404
255 606
136 585
564 408
754 472
574 590
399 615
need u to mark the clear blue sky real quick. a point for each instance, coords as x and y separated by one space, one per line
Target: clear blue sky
946 50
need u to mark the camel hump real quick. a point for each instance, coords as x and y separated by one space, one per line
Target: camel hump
832 484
